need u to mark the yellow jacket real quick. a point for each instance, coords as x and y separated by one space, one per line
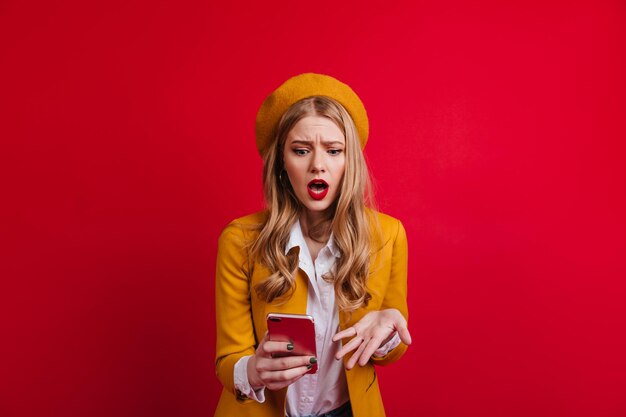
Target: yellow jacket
241 315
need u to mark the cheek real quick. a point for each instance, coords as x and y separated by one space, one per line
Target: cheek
340 168
340 173
292 169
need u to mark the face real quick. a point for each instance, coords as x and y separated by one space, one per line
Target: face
314 158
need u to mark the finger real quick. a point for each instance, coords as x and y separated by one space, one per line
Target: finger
287 362
355 357
284 375
349 332
272 348
348 347
282 384
373 345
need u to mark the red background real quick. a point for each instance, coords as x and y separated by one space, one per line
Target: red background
497 137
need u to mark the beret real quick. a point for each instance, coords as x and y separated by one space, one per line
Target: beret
300 87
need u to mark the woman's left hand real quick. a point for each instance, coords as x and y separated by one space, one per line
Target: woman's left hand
370 333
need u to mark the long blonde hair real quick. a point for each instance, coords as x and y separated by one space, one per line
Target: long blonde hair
348 216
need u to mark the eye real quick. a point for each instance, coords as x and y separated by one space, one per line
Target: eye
300 151
335 152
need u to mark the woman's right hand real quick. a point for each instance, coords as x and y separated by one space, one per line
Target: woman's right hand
276 373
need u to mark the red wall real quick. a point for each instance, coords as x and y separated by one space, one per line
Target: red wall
497 136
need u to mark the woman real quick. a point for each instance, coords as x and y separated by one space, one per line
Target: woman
319 250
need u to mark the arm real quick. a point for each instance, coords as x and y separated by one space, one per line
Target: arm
377 328
396 295
235 332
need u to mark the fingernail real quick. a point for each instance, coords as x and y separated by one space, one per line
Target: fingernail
313 360
309 366
289 346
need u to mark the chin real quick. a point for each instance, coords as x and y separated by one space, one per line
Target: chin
317 206
317 209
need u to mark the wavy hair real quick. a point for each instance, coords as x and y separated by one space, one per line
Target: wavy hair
347 219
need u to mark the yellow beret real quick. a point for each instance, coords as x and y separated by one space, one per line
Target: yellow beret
298 88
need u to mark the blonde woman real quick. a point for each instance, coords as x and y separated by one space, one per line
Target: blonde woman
316 249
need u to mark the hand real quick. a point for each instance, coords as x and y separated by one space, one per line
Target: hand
371 332
276 373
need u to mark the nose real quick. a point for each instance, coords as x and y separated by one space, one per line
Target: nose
317 162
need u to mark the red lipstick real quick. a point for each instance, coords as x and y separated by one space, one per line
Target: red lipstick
318 189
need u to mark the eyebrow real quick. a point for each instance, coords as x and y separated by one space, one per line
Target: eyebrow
325 142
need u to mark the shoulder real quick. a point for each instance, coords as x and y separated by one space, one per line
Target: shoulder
387 224
244 229
385 228
251 220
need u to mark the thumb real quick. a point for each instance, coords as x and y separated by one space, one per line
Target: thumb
404 334
260 348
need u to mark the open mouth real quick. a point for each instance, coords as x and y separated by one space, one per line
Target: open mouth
318 189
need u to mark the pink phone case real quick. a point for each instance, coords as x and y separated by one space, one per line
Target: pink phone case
298 329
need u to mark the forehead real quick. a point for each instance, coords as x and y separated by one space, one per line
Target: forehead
312 128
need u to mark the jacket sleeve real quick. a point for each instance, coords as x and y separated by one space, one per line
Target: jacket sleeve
235 332
396 294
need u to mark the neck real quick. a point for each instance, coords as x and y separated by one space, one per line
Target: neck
315 225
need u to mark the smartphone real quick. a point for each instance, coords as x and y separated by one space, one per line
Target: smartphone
298 329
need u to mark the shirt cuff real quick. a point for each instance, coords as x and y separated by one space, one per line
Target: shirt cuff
242 385
387 347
